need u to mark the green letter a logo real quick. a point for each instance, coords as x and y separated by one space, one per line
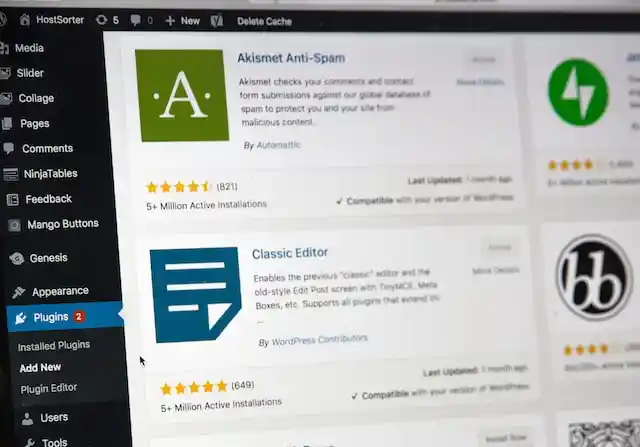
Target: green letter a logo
181 95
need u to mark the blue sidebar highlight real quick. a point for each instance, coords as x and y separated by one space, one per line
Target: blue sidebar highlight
59 317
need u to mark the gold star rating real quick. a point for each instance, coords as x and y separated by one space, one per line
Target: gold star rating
566 165
588 164
592 349
179 186
194 388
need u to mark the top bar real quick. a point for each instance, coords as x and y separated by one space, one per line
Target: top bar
265 20
428 5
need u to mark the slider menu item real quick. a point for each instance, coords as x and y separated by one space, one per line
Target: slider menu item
62 298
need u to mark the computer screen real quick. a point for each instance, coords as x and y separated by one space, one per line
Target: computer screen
320 225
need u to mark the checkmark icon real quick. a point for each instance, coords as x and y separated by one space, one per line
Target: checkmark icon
339 201
354 396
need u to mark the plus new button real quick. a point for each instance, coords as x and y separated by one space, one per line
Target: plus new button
170 20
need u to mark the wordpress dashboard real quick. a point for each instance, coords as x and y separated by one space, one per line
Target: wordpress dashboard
321 228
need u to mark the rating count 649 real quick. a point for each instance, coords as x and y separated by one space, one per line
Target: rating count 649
239 385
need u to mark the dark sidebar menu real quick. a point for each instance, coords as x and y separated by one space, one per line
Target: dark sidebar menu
60 257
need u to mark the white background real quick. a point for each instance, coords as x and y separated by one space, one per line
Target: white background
527 111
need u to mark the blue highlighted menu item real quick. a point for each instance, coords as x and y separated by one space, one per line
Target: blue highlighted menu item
68 316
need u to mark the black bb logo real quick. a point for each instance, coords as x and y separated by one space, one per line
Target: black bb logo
594 277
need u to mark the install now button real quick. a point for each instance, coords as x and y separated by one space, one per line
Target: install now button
64 317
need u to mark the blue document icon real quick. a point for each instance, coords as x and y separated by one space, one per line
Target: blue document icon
196 292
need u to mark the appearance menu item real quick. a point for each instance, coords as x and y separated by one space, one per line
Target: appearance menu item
63 294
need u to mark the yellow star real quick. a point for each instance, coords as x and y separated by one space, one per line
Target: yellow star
579 349
180 388
588 164
553 165
166 389
179 186
222 387
205 186
151 187
568 351
592 349
193 186
194 387
564 165
604 348
577 165
165 187
208 387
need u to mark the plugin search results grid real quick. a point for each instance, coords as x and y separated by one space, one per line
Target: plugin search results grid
404 214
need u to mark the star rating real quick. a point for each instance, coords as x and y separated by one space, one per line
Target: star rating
566 165
194 388
581 350
178 187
